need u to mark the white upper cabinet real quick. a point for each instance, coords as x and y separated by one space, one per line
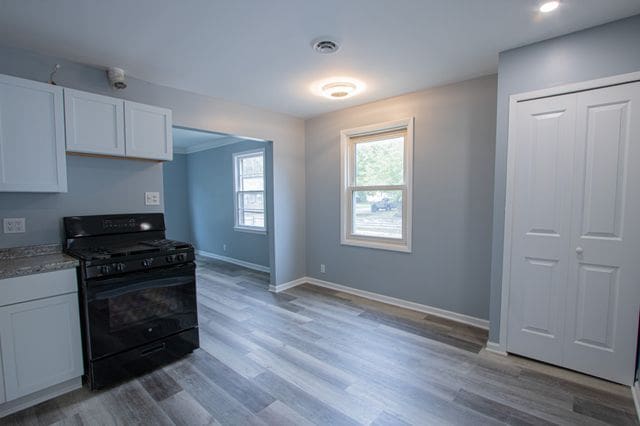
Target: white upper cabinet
148 131
94 123
32 141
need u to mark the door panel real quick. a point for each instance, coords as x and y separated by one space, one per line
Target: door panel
603 186
595 315
545 130
603 291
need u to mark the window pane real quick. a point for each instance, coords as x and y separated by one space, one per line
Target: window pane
377 213
251 201
251 165
252 219
380 162
252 184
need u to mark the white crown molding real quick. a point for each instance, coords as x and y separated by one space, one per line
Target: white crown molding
239 262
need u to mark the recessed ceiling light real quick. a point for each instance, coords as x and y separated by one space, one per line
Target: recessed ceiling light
337 87
549 6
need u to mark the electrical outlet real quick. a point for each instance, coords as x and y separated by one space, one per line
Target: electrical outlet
14 225
152 198
224 247
323 268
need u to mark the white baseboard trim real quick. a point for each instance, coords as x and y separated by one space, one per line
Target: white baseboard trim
635 391
40 396
454 316
239 262
495 348
282 287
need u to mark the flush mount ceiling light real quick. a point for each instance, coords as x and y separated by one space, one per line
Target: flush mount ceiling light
337 87
338 90
325 46
549 6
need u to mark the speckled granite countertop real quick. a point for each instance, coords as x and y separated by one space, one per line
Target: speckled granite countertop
17 261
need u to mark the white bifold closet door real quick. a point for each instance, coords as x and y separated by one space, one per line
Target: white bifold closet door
575 238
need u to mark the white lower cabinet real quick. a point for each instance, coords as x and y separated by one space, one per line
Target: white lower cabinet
40 343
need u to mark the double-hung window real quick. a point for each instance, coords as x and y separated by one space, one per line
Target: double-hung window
249 184
377 185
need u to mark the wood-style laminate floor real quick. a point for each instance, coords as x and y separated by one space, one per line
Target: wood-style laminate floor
314 356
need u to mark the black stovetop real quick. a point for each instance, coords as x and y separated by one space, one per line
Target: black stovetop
102 252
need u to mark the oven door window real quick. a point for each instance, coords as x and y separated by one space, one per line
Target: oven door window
129 311
144 305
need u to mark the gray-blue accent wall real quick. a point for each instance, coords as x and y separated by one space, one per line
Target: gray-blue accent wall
199 202
449 267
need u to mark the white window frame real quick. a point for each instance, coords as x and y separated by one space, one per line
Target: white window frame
347 179
237 156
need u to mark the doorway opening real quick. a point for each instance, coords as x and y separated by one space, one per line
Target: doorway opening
219 197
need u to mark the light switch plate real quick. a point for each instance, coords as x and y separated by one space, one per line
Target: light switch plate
14 225
152 198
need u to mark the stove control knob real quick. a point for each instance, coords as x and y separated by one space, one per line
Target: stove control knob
147 263
182 257
120 267
104 269
171 258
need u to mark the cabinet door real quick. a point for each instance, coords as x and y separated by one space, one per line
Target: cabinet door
148 131
94 123
32 157
41 344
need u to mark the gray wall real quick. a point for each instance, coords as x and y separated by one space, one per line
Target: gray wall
597 52
453 186
96 186
211 204
198 112
176 198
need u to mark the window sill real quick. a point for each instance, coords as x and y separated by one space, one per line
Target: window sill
376 245
260 231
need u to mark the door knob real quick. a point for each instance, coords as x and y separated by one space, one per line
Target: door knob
579 250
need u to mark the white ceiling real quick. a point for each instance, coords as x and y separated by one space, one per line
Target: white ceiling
187 141
258 52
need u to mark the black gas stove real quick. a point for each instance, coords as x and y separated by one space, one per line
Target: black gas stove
137 294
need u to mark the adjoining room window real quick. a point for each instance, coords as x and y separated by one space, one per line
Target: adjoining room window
377 180
248 172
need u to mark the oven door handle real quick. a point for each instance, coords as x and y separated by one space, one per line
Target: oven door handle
153 349
154 283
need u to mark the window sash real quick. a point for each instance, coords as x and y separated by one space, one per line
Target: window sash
351 190
239 192
349 139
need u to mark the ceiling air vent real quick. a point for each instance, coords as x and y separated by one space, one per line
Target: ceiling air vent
325 46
